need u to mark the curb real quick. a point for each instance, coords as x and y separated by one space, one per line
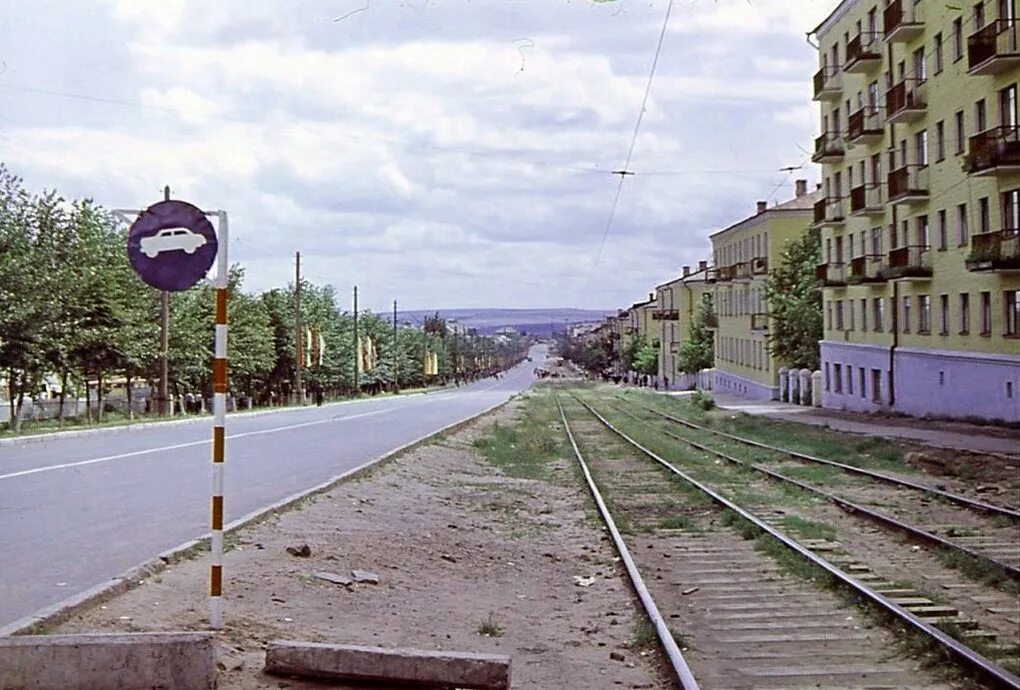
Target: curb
59 612
122 428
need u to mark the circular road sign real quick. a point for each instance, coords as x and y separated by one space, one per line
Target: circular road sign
172 245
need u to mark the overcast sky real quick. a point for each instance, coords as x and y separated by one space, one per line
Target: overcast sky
446 153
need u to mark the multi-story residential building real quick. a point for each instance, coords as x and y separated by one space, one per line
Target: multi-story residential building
743 254
677 304
920 148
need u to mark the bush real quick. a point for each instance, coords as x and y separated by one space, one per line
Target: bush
702 400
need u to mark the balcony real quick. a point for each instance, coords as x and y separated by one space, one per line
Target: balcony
712 320
903 21
760 266
828 148
666 315
741 271
828 84
829 212
865 126
994 152
724 274
759 322
711 275
867 200
863 53
905 102
832 274
995 251
908 185
869 268
913 261
994 48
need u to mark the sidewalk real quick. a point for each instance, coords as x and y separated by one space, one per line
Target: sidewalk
940 434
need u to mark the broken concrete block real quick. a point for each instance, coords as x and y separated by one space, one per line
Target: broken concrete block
169 661
348 662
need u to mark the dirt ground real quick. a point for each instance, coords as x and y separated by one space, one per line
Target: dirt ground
467 559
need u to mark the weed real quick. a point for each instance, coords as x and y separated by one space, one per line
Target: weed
490 626
683 522
808 529
701 400
644 635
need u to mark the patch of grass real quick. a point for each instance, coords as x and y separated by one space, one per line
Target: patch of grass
791 562
979 570
644 635
808 529
525 449
742 527
683 522
815 474
490 626
701 400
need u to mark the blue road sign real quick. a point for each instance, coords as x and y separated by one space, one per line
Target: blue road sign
172 245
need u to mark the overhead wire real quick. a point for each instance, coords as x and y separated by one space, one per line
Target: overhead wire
625 171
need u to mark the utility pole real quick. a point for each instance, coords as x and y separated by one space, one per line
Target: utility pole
396 352
357 344
299 349
162 392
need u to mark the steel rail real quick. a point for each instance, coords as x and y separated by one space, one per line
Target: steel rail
669 645
979 506
875 516
986 670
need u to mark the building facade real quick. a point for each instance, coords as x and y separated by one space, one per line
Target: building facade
677 303
920 207
743 254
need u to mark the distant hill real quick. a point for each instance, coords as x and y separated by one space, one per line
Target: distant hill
540 322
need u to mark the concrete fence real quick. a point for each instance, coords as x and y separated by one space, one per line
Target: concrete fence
800 387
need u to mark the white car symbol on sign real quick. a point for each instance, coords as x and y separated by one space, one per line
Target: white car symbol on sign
171 239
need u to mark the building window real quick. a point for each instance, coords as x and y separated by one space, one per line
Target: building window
828 315
839 315
979 15
984 216
924 313
957 39
876 385
837 377
1012 299
828 381
964 313
940 140
943 231
980 117
906 315
962 231
850 314
920 68
861 380
849 379
937 56
943 314
986 313
921 146
864 314
961 133
879 308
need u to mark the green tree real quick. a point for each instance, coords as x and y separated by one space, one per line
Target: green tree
795 302
646 360
698 351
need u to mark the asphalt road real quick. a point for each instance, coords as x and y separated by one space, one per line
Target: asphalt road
75 512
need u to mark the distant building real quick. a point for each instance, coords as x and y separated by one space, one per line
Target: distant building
743 254
677 303
920 220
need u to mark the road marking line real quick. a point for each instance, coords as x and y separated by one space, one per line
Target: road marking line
190 444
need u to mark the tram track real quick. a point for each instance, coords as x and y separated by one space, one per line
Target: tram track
923 620
988 557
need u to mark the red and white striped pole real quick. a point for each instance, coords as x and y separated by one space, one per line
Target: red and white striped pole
219 428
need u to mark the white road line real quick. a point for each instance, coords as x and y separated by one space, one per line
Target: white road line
205 442
148 451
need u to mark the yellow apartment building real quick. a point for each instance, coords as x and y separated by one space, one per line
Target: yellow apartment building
920 148
743 254
677 304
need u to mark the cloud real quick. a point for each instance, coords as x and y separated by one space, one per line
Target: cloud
452 153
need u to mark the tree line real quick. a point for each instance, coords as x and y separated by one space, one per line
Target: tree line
71 308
